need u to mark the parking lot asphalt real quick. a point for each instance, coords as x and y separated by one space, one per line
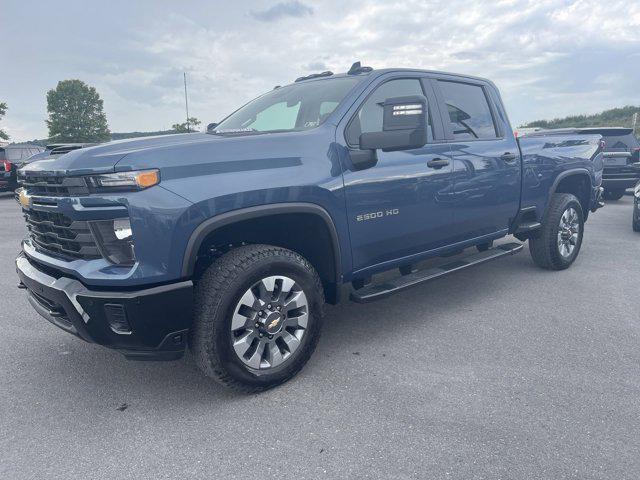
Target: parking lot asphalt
502 371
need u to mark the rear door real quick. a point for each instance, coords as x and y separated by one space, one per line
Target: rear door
486 159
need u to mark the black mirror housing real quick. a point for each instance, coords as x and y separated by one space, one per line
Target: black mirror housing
404 125
211 127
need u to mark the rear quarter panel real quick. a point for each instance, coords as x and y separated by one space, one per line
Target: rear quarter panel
547 158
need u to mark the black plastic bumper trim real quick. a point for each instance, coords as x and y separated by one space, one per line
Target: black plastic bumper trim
156 314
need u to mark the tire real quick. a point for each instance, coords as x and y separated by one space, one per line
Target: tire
221 293
483 247
616 194
545 247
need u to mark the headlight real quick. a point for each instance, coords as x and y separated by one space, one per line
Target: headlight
115 240
636 191
124 181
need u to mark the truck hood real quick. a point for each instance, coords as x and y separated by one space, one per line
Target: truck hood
104 158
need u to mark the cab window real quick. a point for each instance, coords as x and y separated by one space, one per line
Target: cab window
369 116
469 111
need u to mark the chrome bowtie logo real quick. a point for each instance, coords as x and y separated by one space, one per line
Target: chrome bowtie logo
25 199
274 323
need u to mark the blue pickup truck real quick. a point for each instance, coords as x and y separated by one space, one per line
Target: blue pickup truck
230 242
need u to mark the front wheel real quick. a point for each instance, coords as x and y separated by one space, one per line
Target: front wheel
557 244
258 317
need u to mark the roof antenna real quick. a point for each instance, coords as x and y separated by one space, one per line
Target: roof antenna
186 101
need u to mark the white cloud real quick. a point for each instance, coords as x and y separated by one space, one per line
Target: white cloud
549 57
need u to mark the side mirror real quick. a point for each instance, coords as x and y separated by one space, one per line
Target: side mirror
211 127
404 125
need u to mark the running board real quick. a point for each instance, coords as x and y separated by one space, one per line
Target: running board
374 292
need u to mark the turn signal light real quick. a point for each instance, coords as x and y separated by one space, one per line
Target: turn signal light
147 178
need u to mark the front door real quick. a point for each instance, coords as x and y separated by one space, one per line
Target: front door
399 207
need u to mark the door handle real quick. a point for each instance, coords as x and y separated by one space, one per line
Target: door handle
509 157
438 163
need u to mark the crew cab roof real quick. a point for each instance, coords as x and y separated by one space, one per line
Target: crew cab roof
382 71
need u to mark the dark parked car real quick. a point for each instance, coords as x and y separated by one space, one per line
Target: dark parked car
12 158
621 157
621 160
51 150
54 149
636 208
231 241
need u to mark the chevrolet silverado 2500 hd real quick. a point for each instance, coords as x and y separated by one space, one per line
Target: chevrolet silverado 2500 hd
231 241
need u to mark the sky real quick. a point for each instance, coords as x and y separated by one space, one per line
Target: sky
550 58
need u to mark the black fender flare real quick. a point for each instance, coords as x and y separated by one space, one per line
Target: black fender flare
561 176
227 218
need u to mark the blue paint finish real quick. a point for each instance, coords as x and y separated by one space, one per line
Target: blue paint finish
545 157
425 211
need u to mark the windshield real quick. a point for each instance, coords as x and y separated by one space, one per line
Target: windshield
300 106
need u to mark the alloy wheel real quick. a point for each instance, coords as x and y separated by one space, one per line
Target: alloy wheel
269 322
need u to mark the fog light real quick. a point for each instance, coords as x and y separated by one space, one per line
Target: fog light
115 240
122 229
117 318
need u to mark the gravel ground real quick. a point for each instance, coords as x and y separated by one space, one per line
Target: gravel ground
501 371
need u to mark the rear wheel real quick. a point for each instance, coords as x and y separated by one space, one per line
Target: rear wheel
258 317
615 194
557 244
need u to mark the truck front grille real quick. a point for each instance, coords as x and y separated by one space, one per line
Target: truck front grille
50 186
55 234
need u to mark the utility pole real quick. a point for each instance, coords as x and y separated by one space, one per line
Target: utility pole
635 122
186 101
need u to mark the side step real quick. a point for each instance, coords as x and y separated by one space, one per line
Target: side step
371 293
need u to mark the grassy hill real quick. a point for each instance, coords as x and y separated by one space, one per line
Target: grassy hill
114 136
616 117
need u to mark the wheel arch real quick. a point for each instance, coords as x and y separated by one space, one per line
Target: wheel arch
330 272
577 182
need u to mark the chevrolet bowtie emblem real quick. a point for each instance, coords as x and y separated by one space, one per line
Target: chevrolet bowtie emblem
274 323
25 199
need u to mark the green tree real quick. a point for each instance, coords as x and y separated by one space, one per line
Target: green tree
191 126
76 113
3 110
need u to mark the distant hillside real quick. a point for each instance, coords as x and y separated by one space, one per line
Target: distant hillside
114 136
121 136
616 117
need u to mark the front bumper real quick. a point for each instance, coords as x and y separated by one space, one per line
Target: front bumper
148 324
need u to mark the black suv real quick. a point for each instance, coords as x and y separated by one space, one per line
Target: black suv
621 160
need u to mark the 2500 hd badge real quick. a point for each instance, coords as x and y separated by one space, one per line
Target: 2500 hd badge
375 215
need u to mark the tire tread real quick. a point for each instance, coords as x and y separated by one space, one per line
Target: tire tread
209 295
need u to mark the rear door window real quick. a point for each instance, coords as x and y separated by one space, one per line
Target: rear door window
469 112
